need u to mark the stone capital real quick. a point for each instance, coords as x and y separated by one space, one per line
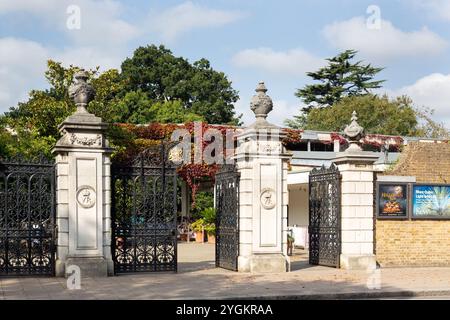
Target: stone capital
357 158
82 132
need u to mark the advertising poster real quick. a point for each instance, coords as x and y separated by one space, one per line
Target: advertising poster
431 201
392 200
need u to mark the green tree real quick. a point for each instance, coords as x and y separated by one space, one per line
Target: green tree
203 201
428 127
163 77
27 143
134 107
35 122
173 111
106 104
376 114
339 79
6 140
45 109
154 87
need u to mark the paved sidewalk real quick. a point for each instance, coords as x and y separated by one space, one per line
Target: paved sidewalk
200 280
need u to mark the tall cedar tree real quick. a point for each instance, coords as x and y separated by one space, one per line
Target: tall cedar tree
339 79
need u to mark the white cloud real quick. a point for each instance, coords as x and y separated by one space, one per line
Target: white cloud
89 57
101 25
385 43
242 106
438 8
282 110
101 41
22 64
36 6
293 62
100 21
187 16
431 91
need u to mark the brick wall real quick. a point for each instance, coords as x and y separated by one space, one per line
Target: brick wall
417 242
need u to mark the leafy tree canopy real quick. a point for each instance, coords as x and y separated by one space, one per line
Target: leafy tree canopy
154 86
428 127
203 201
376 114
339 79
345 86
162 77
33 125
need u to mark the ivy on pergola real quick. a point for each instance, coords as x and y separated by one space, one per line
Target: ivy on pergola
130 139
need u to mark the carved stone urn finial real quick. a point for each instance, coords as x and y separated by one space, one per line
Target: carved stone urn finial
261 104
81 92
354 133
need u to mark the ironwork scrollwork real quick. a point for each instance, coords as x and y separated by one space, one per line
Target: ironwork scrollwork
27 216
144 212
324 216
227 217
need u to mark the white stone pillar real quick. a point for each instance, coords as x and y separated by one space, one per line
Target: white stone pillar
83 203
261 160
83 197
357 212
336 146
62 210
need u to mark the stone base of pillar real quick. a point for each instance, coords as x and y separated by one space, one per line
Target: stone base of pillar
358 261
60 268
93 267
243 264
263 263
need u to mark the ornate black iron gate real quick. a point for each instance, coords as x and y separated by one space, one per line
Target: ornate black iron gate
227 217
324 216
144 213
27 217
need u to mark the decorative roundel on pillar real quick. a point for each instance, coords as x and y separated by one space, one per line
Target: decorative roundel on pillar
86 197
176 154
268 198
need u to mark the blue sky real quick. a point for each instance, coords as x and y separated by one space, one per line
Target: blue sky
253 40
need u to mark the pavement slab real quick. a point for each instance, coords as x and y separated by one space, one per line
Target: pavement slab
203 281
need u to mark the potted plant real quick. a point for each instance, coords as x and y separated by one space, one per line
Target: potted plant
209 217
183 237
210 230
198 227
290 243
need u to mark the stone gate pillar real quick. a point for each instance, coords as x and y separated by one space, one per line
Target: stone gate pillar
357 201
83 189
262 160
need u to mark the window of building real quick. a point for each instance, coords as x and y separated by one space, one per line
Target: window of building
320 146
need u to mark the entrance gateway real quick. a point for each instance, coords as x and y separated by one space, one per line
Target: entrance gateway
27 217
144 214
325 216
227 217
141 194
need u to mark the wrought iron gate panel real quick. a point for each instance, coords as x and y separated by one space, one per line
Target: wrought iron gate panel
324 216
27 217
227 217
144 214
